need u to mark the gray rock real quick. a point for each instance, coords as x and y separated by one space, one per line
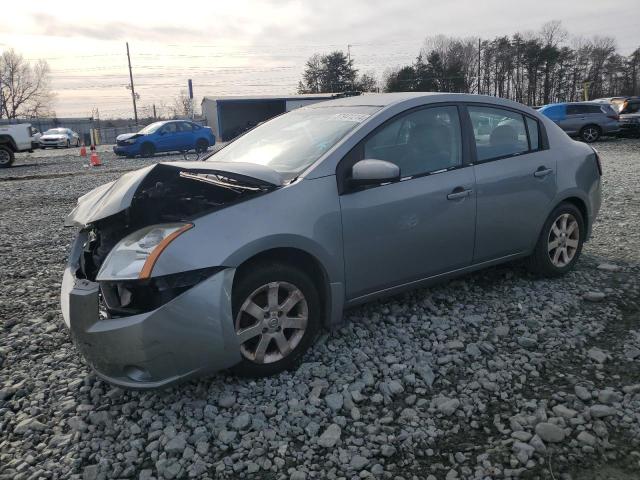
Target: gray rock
227 400
176 445
601 411
298 475
426 373
388 450
241 421
227 436
449 407
527 342
582 393
330 436
609 396
587 439
597 355
334 401
564 412
358 462
609 267
594 296
522 451
29 424
549 432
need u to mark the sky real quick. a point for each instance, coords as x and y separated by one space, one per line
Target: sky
245 47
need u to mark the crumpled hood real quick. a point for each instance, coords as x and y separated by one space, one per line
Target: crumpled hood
126 136
114 197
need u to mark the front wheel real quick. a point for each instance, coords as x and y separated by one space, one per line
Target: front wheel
560 242
590 133
202 145
277 314
147 150
6 156
68 143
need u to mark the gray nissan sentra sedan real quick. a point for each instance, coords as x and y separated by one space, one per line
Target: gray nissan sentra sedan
185 268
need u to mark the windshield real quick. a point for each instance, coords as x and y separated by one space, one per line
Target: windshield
293 141
151 128
55 131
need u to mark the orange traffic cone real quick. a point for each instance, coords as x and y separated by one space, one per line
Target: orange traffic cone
83 150
95 159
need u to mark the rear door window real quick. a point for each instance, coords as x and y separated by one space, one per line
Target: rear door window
498 133
534 133
576 110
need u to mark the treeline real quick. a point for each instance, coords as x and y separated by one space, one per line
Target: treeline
533 68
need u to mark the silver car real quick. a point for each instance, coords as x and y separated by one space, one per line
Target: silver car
186 268
59 137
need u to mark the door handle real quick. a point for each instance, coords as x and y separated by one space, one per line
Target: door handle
459 192
542 172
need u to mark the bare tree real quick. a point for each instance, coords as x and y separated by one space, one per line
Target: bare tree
24 88
181 105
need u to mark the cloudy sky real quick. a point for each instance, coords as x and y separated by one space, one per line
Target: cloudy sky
253 47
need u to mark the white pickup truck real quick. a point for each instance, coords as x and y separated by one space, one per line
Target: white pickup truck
14 138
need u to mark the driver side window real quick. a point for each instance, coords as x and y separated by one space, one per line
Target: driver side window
423 141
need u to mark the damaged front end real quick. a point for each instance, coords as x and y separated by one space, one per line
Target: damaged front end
141 330
164 194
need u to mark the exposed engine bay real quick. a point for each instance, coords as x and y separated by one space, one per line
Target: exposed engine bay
167 194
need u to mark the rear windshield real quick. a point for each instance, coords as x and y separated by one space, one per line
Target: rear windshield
291 142
55 131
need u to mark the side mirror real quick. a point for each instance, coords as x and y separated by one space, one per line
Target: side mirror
374 172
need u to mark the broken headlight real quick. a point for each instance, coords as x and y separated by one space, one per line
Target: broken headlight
134 256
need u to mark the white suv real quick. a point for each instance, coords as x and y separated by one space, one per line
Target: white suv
13 138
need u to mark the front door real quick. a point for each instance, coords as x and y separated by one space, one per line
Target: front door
515 182
421 226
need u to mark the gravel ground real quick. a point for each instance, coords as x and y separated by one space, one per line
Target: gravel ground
494 375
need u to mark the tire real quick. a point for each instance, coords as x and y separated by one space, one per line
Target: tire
68 143
147 150
202 145
6 156
590 133
542 259
256 284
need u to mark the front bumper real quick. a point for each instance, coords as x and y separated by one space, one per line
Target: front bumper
132 149
189 336
53 143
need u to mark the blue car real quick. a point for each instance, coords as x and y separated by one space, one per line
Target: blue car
168 136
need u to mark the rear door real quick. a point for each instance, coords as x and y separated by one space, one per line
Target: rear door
515 180
575 119
423 225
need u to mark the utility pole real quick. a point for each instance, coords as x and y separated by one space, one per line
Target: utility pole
133 92
479 60
154 112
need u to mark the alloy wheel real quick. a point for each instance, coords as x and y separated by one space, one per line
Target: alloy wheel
271 322
5 157
590 134
563 241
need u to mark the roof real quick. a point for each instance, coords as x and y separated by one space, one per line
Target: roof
305 96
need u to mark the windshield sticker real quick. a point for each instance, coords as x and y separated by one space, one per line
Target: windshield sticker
351 117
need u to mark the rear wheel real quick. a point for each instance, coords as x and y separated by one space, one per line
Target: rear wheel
590 133
202 145
277 316
560 242
147 150
6 156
